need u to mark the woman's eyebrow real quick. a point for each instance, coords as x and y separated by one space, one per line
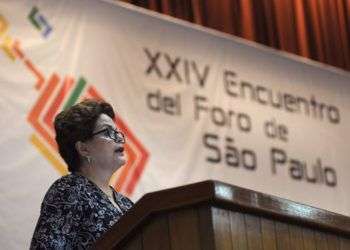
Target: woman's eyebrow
107 126
103 126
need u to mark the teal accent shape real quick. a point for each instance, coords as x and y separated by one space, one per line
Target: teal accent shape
76 93
31 17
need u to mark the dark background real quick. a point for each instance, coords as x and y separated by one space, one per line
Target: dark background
316 29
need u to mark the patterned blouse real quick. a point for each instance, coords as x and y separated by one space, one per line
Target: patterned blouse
74 213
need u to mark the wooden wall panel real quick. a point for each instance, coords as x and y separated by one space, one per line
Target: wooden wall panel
213 228
238 231
344 244
268 233
205 224
205 219
282 236
332 242
134 243
296 237
250 232
222 229
321 241
309 239
254 237
183 230
155 235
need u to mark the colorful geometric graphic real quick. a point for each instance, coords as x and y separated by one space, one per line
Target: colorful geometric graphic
56 94
39 22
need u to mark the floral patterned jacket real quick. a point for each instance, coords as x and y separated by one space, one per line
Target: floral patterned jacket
74 213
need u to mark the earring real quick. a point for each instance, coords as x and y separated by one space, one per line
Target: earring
88 158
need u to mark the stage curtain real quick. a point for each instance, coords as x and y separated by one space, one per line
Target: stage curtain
317 29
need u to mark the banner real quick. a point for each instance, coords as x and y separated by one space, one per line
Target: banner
194 105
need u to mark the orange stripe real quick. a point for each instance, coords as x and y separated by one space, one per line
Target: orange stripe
17 49
36 72
34 114
137 171
93 93
67 85
48 155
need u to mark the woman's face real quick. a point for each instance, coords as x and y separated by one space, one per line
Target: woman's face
105 152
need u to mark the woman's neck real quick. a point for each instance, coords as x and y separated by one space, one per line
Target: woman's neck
99 178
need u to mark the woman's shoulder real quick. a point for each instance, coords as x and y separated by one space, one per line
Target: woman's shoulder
68 188
71 180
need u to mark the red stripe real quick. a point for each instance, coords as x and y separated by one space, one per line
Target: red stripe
66 87
17 49
34 114
94 94
40 77
137 172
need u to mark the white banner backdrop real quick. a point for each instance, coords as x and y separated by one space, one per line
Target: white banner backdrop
194 104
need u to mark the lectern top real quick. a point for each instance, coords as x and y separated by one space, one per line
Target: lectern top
229 197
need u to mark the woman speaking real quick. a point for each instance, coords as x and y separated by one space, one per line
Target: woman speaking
79 207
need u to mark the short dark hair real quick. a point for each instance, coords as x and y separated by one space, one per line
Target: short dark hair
77 123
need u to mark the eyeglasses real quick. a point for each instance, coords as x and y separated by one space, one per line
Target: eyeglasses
115 135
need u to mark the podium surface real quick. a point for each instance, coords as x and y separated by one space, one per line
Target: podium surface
212 215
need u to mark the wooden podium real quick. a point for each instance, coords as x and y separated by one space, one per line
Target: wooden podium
215 215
